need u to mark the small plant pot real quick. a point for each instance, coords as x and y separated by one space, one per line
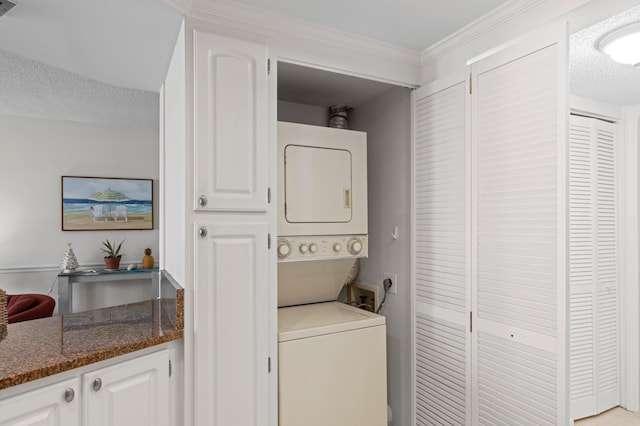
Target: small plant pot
111 264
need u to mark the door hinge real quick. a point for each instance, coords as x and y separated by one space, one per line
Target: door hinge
269 241
169 368
470 84
470 322
268 195
269 365
268 66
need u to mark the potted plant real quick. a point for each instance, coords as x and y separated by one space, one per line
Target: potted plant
112 258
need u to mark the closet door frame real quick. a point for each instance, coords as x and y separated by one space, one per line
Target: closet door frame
629 181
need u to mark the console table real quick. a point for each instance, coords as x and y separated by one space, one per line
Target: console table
67 279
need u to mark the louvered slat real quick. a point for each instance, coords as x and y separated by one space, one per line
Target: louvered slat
440 290
440 372
516 383
440 199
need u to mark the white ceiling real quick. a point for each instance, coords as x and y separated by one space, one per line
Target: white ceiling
593 74
127 43
415 24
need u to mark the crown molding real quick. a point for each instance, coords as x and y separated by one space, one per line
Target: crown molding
477 28
286 28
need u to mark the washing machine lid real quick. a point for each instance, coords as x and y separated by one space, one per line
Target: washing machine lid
304 321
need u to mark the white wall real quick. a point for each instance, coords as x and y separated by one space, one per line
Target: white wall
34 154
387 121
303 114
173 222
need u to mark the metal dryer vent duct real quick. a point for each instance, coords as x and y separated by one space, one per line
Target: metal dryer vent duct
338 116
5 6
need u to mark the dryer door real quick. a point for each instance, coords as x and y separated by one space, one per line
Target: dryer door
317 185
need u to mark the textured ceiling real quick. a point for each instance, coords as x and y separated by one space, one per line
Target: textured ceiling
33 89
594 75
126 43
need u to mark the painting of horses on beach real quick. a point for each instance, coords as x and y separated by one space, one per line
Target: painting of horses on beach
97 204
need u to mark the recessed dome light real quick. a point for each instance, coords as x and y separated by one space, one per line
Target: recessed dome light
623 44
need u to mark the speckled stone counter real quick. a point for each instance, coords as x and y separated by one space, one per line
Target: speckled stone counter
35 349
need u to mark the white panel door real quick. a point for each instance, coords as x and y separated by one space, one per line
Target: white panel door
132 393
230 123
442 339
595 377
232 327
519 286
55 405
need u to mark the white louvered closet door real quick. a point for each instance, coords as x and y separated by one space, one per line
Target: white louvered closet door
441 305
519 286
594 346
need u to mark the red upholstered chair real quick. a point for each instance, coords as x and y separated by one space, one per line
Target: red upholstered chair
24 307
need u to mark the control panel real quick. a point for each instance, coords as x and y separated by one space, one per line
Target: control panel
292 249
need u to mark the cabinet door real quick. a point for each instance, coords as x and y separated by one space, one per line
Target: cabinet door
230 124
132 393
231 325
47 406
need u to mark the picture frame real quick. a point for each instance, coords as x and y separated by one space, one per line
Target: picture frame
100 204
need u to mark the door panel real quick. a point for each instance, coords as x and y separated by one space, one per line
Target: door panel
442 356
231 335
595 376
231 123
43 407
519 237
132 393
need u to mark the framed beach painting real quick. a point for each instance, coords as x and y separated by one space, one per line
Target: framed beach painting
97 204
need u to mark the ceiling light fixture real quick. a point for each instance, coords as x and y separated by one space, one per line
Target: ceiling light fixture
623 44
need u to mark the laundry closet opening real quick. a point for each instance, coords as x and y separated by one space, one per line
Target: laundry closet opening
382 111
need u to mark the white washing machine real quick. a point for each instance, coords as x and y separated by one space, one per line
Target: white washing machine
332 366
332 356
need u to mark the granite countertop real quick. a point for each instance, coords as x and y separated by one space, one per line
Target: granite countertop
35 349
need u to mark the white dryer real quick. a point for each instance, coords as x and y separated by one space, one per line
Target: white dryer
332 366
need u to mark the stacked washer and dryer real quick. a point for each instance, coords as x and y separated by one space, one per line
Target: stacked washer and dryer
332 356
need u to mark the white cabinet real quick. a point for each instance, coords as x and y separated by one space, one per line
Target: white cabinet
129 393
132 393
230 123
54 405
232 330
216 156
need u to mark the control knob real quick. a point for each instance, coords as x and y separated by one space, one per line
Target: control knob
313 248
355 246
303 248
283 249
337 247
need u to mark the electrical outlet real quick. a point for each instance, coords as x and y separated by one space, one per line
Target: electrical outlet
394 281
